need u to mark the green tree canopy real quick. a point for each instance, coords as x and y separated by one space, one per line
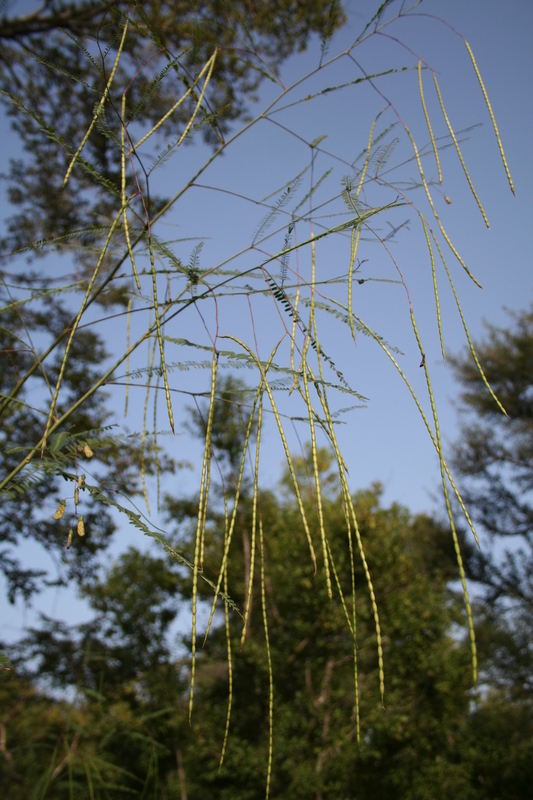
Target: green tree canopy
140 705
494 457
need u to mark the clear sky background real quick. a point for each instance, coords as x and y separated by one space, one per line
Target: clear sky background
386 440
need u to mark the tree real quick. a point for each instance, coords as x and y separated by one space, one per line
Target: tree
494 458
35 56
83 446
121 733
132 693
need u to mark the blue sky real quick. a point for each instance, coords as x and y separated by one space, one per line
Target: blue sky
386 440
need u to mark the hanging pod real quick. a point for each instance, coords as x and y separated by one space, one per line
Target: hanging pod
60 509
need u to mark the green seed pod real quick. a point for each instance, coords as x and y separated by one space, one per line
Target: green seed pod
81 527
69 540
60 509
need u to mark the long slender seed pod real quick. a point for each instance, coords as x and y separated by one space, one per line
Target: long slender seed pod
458 149
467 333
318 492
367 158
230 665
234 512
254 517
404 378
123 189
351 623
156 447
339 588
128 321
448 507
285 447
493 118
353 256
370 585
211 64
145 411
435 287
349 504
350 508
74 329
203 499
428 122
100 104
293 336
206 495
354 632
207 68
159 334
430 200
270 673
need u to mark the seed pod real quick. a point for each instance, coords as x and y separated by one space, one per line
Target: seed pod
447 199
69 540
60 509
87 451
81 527
76 496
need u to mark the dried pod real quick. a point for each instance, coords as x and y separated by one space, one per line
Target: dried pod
87 451
447 199
69 540
81 527
76 496
60 509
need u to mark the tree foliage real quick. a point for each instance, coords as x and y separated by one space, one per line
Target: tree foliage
128 732
121 656
494 457
84 446
54 57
